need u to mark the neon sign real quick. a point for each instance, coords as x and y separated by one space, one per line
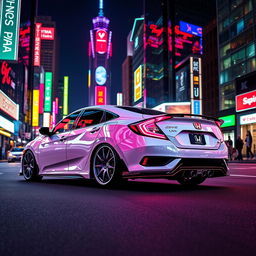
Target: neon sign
48 92
65 96
8 106
246 101
101 41
37 50
35 108
138 83
191 29
47 33
100 95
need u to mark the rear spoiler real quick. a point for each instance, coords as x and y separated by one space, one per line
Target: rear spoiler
202 116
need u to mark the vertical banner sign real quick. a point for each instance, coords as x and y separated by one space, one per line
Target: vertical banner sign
48 92
100 95
35 109
138 83
37 48
53 113
196 86
65 96
9 29
101 41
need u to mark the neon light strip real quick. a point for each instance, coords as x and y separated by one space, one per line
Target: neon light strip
109 44
133 28
92 44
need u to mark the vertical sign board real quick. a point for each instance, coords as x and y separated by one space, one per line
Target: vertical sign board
35 108
196 85
37 48
9 29
65 96
48 92
138 83
100 95
101 41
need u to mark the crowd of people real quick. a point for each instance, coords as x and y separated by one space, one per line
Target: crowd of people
235 151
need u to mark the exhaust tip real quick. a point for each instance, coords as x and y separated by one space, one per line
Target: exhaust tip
210 173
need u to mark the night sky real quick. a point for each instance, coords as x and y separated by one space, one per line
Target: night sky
73 21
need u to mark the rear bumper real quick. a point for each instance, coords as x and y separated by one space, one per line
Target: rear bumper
209 168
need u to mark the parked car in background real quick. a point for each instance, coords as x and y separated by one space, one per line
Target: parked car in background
15 154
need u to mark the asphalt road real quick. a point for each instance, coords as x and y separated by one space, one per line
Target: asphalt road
157 217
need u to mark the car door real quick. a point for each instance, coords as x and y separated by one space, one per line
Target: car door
82 138
53 155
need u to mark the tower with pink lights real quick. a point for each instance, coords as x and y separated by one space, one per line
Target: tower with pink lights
100 53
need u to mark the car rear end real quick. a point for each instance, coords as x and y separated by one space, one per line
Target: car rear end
172 146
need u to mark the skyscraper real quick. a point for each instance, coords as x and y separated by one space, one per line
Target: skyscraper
100 53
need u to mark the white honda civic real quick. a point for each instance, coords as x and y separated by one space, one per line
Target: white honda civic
114 143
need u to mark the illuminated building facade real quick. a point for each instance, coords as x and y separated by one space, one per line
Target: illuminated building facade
100 53
164 26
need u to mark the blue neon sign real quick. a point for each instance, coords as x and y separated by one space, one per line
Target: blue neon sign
191 29
197 110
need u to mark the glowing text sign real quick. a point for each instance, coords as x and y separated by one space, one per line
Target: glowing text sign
48 92
9 29
37 49
47 33
138 83
191 29
100 95
246 101
35 108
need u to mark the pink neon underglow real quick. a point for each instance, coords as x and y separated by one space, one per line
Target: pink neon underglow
41 98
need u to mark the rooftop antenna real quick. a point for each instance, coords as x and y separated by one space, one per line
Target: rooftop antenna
101 8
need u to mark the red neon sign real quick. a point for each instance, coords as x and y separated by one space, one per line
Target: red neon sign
5 72
47 33
246 101
37 49
100 95
101 41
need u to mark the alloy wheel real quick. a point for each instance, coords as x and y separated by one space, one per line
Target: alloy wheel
29 166
104 165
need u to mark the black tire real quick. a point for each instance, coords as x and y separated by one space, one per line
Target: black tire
30 168
191 181
104 163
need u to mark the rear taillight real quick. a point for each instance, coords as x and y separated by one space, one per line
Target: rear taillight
219 122
149 128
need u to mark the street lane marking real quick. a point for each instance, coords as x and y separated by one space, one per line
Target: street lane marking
238 175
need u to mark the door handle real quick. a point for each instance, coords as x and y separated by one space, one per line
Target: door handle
63 138
95 129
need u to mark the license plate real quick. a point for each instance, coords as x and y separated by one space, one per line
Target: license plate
197 139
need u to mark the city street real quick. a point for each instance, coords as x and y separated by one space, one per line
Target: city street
61 216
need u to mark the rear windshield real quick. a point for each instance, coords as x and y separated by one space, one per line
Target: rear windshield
143 111
17 149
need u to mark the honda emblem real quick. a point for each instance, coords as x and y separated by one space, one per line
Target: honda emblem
197 125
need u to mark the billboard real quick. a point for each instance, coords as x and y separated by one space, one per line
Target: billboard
65 96
35 108
9 29
191 29
182 84
229 120
8 106
37 47
47 33
246 101
175 107
100 95
101 41
196 85
138 83
48 92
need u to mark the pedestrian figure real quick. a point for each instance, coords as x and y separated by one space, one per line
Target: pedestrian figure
239 146
230 148
248 141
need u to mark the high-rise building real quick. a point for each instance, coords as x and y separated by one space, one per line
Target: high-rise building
237 58
163 38
100 53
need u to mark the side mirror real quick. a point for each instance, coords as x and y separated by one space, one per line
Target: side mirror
45 131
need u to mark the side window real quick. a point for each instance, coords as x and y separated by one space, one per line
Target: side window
110 116
67 123
90 117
